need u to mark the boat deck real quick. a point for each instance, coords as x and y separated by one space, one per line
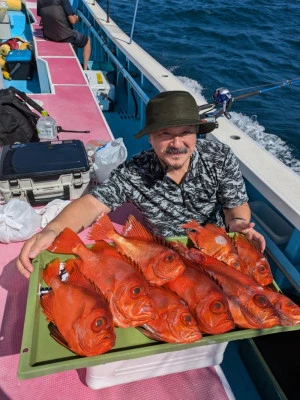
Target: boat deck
71 102
73 106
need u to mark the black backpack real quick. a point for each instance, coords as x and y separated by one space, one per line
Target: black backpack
17 121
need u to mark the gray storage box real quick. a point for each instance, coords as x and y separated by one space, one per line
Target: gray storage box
5 32
44 171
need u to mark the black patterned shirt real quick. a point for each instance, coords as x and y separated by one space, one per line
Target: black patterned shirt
213 182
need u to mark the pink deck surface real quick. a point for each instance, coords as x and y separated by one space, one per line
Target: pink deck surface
71 104
73 107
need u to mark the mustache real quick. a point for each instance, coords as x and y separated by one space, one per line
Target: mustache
174 150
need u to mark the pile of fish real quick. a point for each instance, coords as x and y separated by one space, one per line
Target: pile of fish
169 291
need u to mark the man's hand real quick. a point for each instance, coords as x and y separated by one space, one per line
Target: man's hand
32 248
257 239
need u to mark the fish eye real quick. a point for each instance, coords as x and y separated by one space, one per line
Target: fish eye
260 300
262 268
236 265
187 318
169 258
136 290
98 324
217 307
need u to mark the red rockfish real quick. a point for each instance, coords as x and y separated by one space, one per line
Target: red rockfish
214 241
252 261
155 259
80 317
248 304
123 287
175 322
205 299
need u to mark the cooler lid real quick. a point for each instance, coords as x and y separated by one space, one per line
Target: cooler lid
42 159
19 56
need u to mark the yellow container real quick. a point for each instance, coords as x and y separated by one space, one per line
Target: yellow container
14 5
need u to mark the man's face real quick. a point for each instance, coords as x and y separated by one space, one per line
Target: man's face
174 146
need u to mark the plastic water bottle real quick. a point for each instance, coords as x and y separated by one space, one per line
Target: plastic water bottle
46 127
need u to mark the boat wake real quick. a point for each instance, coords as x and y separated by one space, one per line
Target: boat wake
270 142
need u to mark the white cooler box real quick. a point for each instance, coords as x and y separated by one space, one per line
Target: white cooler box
44 171
118 372
102 89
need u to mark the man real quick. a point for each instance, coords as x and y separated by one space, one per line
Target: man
179 179
58 18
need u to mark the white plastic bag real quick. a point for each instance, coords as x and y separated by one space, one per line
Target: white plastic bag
18 221
51 210
108 157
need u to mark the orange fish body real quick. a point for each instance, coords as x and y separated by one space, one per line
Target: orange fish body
252 261
155 259
213 241
175 322
81 319
248 304
123 287
287 310
205 299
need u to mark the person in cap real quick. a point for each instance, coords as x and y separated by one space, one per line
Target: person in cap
57 20
179 179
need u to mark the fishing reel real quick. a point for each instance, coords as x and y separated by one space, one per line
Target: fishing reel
222 97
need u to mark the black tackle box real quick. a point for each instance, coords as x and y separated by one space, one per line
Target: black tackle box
39 172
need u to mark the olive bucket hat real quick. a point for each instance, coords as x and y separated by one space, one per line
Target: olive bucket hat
173 108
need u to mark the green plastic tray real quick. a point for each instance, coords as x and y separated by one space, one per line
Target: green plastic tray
42 355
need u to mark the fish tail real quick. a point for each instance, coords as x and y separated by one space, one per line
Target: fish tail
193 225
51 271
101 229
65 242
133 228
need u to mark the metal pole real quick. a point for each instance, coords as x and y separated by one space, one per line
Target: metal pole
107 11
133 22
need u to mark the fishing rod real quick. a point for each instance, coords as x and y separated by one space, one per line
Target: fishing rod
224 99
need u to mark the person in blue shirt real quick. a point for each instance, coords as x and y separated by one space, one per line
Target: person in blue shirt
57 19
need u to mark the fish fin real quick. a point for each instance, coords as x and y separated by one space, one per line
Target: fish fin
101 229
99 246
193 225
210 276
215 228
134 228
131 262
56 335
72 266
145 330
65 242
51 271
46 303
193 264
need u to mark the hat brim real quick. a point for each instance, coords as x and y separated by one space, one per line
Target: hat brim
204 127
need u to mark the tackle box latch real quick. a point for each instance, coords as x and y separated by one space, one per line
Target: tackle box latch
14 187
77 179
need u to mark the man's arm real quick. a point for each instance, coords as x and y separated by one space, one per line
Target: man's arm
78 215
73 19
237 219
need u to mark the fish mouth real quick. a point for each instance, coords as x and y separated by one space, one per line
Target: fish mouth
223 326
137 314
192 336
143 308
261 319
99 345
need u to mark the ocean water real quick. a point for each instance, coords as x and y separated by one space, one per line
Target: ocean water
241 45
